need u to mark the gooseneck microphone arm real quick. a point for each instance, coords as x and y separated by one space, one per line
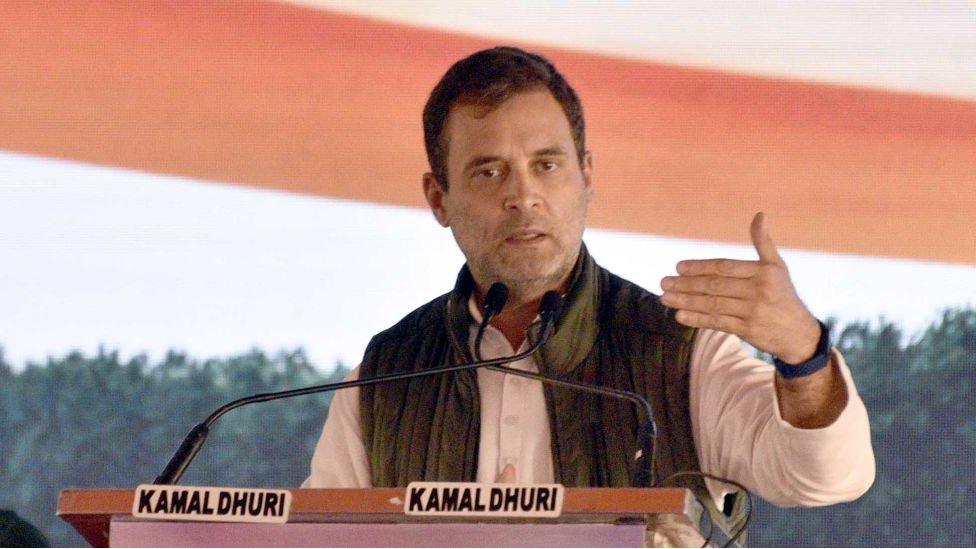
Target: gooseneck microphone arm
195 439
646 435
552 304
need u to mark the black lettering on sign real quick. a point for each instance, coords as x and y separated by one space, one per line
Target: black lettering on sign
145 501
511 499
223 503
454 498
208 504
495 502
193 507
465 504
544 499
240 503
270 503
450 499
433 502
162 504
254 502
416 499
177 501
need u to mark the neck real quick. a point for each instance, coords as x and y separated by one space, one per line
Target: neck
515 319
519 312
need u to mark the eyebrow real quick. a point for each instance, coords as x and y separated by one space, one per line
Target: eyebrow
484 159
479 160
550 151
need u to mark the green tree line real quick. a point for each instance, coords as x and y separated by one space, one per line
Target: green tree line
922 405
98 421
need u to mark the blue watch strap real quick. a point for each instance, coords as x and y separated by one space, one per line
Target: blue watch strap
819 360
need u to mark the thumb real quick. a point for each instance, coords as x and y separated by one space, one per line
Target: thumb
507 476
762 241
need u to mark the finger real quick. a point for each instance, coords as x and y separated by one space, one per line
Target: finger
709 285
762 241
708 304
724 267
722 323
507 476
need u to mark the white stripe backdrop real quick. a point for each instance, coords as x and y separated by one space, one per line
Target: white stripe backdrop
925 47
142 262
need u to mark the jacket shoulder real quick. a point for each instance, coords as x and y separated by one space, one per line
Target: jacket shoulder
635 306
414 323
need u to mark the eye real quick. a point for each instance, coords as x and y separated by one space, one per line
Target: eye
488 172
546 165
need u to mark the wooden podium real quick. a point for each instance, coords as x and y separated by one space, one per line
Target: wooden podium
375 518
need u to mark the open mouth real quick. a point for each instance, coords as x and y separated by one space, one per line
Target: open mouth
525 238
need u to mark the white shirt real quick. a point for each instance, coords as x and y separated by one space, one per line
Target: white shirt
736 423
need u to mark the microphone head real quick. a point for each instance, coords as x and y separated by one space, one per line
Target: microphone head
495 300
551 307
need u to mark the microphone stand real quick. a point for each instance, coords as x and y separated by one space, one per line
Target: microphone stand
647 431
550 309
197 436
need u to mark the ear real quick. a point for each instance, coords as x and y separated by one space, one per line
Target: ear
588 174
436 194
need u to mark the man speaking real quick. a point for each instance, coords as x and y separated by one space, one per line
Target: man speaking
511 177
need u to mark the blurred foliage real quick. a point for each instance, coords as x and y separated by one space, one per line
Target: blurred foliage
99 422
86 422
921 401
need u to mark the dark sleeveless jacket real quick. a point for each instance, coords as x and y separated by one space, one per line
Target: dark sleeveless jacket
611 332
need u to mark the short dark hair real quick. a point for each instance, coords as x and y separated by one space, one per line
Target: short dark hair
488 78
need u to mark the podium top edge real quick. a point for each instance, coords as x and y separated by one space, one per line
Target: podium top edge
390 500
90 511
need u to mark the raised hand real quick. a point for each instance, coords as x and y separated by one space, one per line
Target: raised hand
754 300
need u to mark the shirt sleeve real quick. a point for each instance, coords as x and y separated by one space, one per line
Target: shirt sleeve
340 458
740 434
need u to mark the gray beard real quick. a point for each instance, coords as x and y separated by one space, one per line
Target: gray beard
527 290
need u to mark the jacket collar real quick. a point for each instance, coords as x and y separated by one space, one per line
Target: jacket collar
576 329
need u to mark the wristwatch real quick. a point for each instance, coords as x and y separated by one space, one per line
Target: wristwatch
820 358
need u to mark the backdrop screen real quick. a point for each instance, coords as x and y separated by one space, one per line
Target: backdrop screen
202 200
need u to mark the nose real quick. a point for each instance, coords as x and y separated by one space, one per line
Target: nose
522 190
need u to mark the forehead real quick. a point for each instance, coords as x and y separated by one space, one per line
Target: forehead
532 120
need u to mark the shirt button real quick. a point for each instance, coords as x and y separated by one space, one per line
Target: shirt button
511 420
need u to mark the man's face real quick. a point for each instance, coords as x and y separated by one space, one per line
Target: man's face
518 196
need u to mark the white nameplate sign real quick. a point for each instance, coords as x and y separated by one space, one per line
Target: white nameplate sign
469 499
211 504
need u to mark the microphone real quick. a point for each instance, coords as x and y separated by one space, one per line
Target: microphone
549 311
494 303
550 307
197 436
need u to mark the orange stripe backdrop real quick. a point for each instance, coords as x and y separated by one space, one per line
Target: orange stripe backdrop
291 98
